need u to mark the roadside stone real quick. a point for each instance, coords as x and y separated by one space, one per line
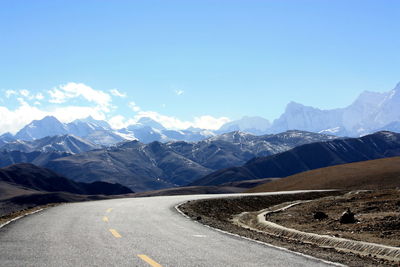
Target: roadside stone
320 215
348 217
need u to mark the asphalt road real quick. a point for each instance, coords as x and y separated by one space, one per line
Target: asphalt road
130 232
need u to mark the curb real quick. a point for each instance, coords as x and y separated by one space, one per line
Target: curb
256 221
19 217
256 241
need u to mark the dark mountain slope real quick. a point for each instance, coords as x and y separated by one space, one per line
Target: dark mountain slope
309 157
236 148
41 179
36 157
156 165
133 164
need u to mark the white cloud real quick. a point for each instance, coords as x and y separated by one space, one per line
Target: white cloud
39 96
119 122
24 92
10 93
73 90
22 101
205 122
98 105
133 106
179 92
115 92
209 122
13 120
70 113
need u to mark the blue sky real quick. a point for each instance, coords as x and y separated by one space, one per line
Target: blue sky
191 62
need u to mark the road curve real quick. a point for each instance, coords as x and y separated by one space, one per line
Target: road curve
131 232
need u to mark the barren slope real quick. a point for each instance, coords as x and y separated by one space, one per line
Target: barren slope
372 174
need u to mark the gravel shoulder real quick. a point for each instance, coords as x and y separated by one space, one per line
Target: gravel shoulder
377 215
218 213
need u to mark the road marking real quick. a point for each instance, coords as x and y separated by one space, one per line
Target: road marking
149 261
199 235
105 219
109 210
115 233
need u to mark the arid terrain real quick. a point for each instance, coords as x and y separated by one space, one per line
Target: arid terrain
371 174
377 215
218 213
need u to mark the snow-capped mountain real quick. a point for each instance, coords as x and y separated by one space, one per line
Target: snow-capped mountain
147 130
253 125
48 126
62 143
98 132
6 138
370 112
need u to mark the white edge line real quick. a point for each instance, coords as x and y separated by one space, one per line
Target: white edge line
257 241
19 217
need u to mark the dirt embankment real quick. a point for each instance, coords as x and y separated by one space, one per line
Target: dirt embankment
218 213
377 215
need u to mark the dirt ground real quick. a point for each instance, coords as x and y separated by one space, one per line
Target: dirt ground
219 212
377 215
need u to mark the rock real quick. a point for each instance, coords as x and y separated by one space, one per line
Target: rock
348 217
320 215
198 218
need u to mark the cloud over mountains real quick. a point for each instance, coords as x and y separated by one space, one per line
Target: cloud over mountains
72 101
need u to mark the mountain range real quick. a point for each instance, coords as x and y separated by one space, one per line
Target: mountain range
160 165
62 143
308 157
99 132
370 112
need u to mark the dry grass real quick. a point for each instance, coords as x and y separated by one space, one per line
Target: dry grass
372 174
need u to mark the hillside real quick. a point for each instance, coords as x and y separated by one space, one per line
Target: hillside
158 165
31 177
371 174
310 156
39 158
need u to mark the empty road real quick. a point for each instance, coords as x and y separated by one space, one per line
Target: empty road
130 232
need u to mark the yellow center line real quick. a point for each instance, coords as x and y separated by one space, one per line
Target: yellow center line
109 210
115 233
105 219
149 261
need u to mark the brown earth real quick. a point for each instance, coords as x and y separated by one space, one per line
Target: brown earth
377 214
218 213
370 175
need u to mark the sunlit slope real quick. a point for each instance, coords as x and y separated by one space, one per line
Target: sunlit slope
372 174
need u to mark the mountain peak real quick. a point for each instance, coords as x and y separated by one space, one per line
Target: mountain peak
48 119
146 121
254 125
293 106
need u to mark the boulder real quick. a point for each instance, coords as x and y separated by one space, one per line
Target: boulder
348 217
